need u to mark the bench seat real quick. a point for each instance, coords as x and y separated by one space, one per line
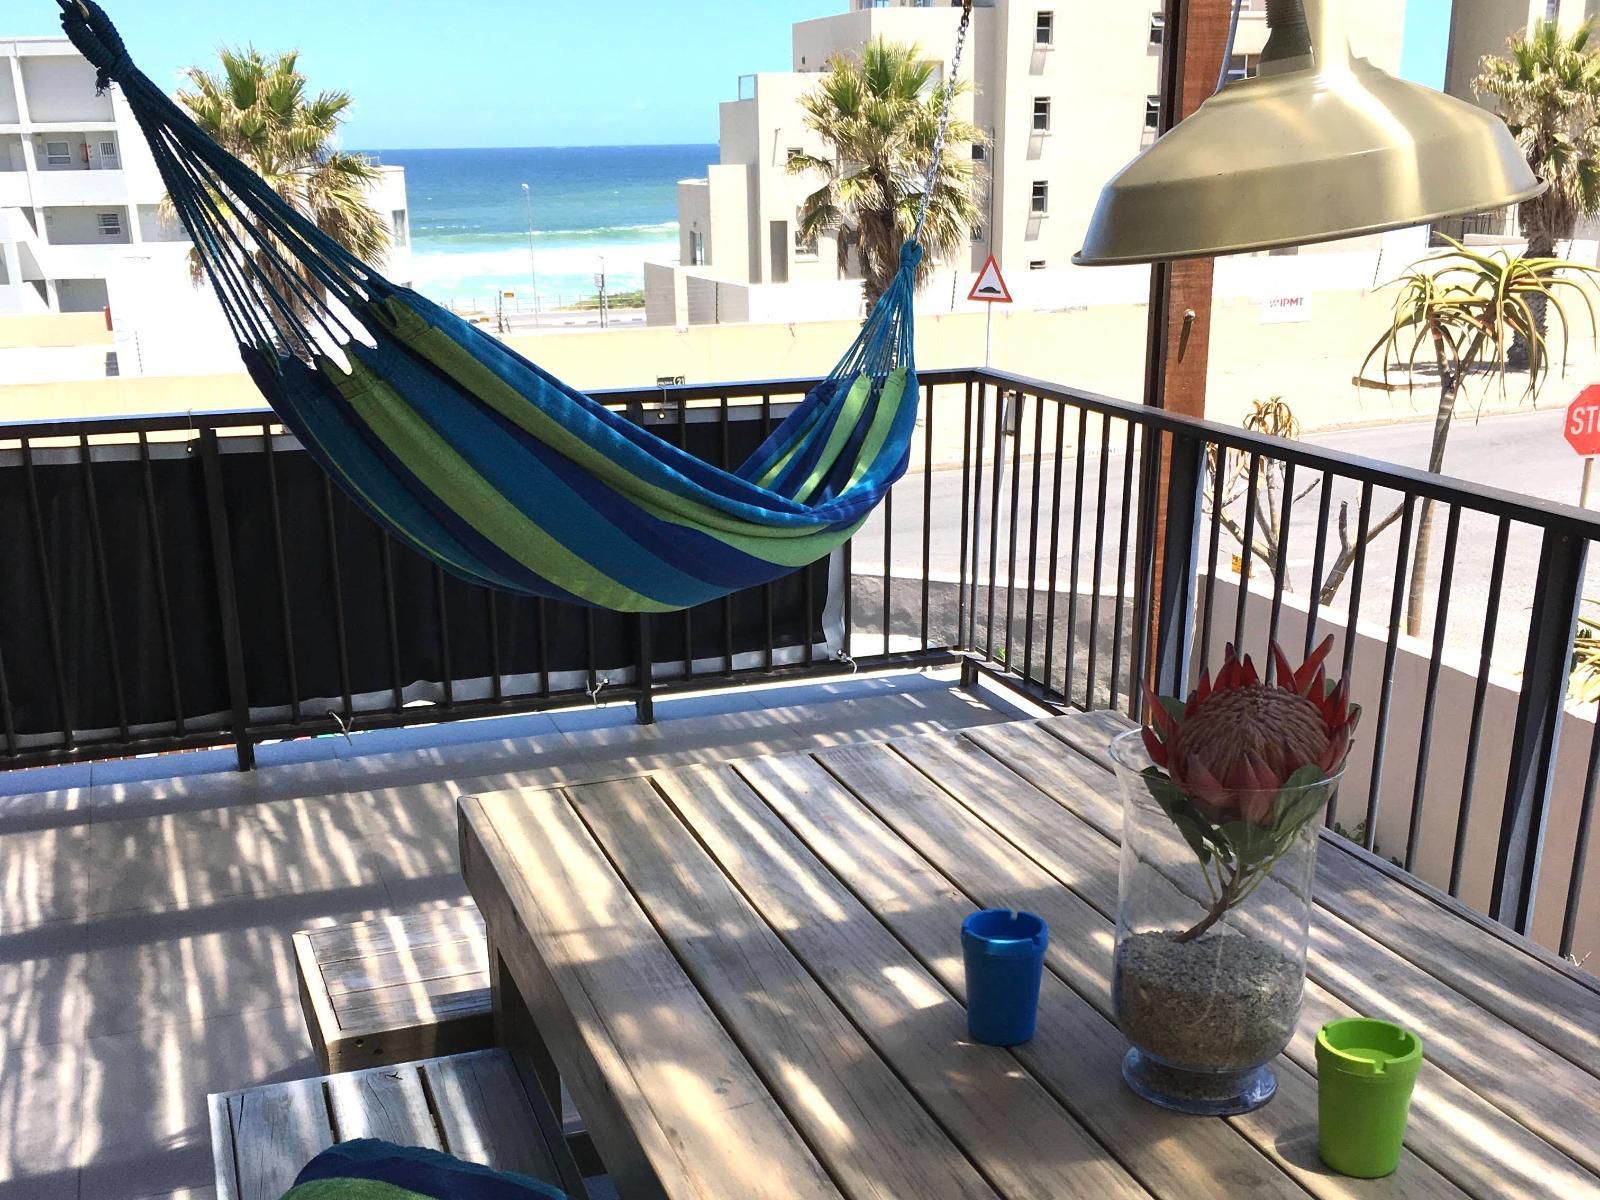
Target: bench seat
474 1106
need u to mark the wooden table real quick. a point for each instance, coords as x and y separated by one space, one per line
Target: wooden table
750 977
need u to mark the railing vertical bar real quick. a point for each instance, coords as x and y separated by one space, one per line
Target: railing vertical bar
994 515
1430 695
541 627
962 638
1018 414
927 504
849 596
766 588
1247 545
441 602
158 564
285 608
1357 579
41 552
688 614
8 716
1097 574
1075 552
1469 768
336 585
1318 561
644 711
1122 567
1219 468
1055 546
492 619
977 515
1149 449
1380 735
888 565
1033 539
1280 561
227 597
725 460
103 584
1580 844
396 684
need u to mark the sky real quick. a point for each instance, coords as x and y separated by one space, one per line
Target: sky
520 72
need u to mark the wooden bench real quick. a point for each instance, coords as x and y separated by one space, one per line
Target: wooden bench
474 1106
396 989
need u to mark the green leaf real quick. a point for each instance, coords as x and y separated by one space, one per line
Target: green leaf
1252 843
1180 812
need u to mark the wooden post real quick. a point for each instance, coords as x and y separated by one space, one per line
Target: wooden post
1178 341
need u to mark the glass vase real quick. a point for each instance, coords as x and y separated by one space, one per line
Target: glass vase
1213 920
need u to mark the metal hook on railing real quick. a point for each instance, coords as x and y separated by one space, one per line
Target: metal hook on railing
594 692
841 656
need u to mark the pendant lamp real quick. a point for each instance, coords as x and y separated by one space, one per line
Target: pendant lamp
1320 145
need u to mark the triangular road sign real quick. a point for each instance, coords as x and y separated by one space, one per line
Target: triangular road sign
990 287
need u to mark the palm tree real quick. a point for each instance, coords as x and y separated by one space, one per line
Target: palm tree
880 114
258 109
1547 85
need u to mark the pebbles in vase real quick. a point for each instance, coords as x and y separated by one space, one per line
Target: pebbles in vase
1223 1002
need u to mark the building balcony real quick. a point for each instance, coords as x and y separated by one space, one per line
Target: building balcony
14 190
252 712
68 188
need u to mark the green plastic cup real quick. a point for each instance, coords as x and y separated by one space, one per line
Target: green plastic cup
1365 1072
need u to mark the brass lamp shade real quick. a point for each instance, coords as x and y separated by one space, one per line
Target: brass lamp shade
1318 147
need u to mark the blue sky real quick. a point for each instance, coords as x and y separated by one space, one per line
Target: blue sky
520 73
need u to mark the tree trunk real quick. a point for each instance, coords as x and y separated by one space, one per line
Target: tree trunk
1450 382
1541 244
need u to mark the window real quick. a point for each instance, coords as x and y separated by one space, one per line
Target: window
58 154
1158 28
977 233
108 155
804 247
697 248
1044 28
1152 112
109 223
1041 114
1041 196
402 232
793 152
979 152
1036 265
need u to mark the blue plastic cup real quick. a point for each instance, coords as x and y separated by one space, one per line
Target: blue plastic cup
1004 952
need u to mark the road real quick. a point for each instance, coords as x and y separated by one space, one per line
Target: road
1521 452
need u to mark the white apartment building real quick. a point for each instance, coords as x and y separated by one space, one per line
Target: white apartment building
1067 93
80 215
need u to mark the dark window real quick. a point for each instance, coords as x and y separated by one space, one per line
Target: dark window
1158 28
1152 112
1041 114
1036 265
1041 196
1044 28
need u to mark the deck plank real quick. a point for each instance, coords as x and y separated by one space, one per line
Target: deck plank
1343 966
648 1062
872 1133
778 850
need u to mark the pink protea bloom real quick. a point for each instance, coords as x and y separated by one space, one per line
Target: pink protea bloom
1240 739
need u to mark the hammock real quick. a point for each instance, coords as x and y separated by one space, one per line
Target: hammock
479 460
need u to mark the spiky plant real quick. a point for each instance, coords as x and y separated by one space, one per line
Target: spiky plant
1458 312
259 109
880 115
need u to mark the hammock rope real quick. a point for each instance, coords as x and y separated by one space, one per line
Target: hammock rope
475 457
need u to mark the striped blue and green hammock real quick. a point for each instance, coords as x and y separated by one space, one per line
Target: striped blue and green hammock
476 458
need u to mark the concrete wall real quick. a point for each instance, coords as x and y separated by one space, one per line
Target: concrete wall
53 329
9 113
61 88
79 226
1446 761
81 295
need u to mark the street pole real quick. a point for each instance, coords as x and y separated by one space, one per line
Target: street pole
1588 478
988 337
533 268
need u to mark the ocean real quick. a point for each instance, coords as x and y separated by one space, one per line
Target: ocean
469 217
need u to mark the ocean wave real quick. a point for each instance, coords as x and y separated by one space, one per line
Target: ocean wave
470 238
569 263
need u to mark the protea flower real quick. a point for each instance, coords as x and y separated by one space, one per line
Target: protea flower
1240 739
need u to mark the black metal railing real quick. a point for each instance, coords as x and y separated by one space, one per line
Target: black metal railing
186 581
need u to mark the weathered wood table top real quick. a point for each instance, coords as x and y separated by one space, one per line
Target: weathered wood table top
750 977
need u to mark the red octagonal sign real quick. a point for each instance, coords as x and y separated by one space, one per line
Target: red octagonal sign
1583 422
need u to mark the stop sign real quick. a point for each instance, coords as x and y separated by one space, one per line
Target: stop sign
1583 422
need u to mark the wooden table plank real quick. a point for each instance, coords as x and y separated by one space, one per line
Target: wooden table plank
275 1134
1076 1052
363 939
875 1138
1021 1138
387 1103
647 1061
1444 1105
440 960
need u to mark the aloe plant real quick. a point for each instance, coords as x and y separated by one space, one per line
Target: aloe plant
1459 312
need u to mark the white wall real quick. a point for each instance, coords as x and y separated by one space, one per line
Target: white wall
9 114
79 226
163 323
61 87
81 295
